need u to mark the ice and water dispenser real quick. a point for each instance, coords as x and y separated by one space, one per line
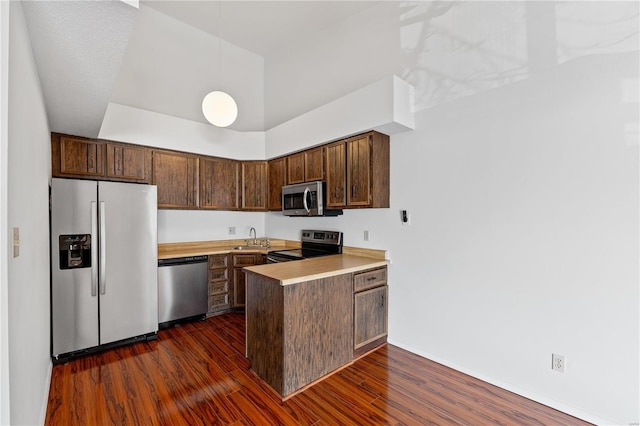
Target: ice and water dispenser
75 251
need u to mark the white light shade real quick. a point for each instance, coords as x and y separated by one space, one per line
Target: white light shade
219 109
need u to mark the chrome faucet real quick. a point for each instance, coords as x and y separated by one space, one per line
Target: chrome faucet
255 239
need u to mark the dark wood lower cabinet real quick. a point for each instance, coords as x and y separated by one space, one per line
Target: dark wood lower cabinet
218 283
300 332
238 280
370 310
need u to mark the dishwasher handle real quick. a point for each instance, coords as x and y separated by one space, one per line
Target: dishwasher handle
182 260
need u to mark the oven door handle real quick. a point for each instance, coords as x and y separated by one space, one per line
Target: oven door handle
307 191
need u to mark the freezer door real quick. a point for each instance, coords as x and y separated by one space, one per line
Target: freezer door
74 309
128 260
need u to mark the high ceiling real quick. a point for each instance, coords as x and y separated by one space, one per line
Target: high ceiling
163 56
260 26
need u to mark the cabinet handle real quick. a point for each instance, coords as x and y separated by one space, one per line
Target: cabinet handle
353 191
371 278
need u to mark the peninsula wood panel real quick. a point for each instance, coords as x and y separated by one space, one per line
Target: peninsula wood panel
318 318
265 329
298 333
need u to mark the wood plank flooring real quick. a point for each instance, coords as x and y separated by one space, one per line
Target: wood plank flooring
196 374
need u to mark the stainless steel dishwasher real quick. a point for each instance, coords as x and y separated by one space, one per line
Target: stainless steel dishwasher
182 289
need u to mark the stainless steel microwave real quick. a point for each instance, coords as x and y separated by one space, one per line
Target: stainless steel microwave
306 199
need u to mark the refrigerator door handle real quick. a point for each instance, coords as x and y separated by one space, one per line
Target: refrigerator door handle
94 249
103 249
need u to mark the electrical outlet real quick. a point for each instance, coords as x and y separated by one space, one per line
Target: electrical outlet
557 363
366 235
232 230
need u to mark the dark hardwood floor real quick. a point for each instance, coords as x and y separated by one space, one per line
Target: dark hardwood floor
196 374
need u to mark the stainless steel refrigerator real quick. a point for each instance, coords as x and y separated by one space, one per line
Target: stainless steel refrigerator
104 264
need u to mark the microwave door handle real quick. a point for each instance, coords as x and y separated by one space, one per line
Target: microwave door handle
304 199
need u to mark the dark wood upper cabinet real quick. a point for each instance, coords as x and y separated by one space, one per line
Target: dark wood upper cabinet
336 178
254 185
314 164
176 175
219 183
358 172
277 179
74 156
128 162
295 168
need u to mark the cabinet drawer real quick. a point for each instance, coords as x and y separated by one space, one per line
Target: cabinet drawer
219 286
245 259
218 301
218 274
218 261
369 279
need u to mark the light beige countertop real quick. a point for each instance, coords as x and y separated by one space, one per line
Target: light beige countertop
199 248
316 268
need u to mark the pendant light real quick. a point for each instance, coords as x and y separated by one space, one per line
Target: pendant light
218 107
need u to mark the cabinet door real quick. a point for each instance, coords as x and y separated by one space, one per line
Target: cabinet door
176 176
295 168
277 174
369 316
336 177
127 162
238 292
81 156
219 183
313 164
358 171
254 185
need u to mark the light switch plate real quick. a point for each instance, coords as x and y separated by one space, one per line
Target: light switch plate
16 242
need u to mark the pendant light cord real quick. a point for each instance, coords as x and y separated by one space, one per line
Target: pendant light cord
220 42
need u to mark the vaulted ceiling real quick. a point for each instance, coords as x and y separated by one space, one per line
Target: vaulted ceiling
165 55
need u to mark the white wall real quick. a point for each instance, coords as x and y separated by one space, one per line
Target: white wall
521 180
29 169
4 242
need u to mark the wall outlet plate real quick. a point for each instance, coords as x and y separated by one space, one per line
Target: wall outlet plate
232 230
558 363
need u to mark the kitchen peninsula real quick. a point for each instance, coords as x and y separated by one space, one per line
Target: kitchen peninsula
308 318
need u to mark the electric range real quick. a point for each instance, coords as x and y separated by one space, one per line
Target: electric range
314 243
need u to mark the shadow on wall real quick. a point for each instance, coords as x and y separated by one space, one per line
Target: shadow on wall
459 49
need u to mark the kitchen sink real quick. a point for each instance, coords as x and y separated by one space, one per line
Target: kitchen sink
248 248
